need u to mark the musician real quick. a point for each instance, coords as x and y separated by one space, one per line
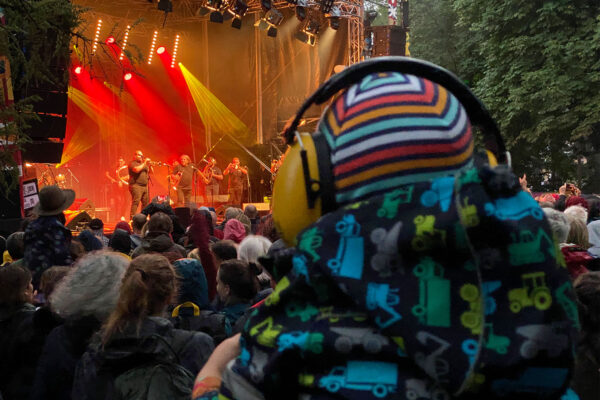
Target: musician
139 170
236 181
183 179
212 175
120 180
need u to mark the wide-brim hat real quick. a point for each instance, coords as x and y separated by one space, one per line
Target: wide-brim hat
54 200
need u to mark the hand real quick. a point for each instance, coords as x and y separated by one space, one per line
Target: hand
523 182
223 353
147 160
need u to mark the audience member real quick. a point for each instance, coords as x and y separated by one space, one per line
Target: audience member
267 228
137 224
97 227
89 241
237 285
575 256
76 249
125 226
223 250
158 238
250 250
576 212
15 245
234 230
252 213
199 235
137 334
120 241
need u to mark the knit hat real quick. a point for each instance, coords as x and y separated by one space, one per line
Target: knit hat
392 129
577 201
96 224
89 241
124 225
120 241
192 282
234 230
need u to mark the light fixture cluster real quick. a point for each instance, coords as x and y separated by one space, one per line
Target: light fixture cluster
125 39
97 36
222 10
152 46
174 55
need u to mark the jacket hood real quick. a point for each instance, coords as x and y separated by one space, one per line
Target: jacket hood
452 288
7 312
157 241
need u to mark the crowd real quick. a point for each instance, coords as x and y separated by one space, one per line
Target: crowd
434 276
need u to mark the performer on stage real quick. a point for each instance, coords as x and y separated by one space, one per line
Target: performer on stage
182 179
120 182
139 169
236 181
212 175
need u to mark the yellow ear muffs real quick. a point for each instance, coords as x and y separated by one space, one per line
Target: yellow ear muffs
291 211
492 160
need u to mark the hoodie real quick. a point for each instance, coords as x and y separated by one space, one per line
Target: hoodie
159 242
448 289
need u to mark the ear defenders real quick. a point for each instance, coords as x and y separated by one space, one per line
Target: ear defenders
300 201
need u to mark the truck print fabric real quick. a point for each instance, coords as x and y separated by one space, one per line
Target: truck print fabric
445 289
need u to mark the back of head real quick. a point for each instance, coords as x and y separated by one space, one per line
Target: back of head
123 225
576 212
89 241
594 236
577 201
578 234
192 282
149 285
558 223
14 281
138 221
251 211
15 244
245 221
253 247
234 230
50 279
241 277
587 290
120 241
96 224
160 222
232 212
224 250
91 287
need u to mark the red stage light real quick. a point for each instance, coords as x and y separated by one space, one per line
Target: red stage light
110 40
160 50
78 70
127 76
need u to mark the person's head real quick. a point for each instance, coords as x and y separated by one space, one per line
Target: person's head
558 223
15 285
594 208
587 291
212 161
121 162
91 287
160 222
124 225
89 241
120 241
576 201
76 250
50 279
232 212
138 156
213 216
237 281
184 160
267 228
192 282
97 225
224 250
253 247
137 223
234 230
149 285
578 234
251 211
576 212
235 161
245 221
15 244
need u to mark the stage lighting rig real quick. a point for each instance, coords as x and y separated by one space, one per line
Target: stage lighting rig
237 11
214 8
334 18
301 6
326 5
309 31
270 21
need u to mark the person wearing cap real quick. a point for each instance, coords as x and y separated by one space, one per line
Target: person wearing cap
47 240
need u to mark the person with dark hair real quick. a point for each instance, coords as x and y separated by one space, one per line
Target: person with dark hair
252 213
15 245
267 228
20 343
50 279
237 284
199 235
77 250
223 250
89 241
120 241
97 227
158 238
84 299
47 239
138 349
139 170
137 224
586 380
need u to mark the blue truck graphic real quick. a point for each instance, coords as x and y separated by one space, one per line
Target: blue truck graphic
348 262
441 191
379 378
519 206
533 380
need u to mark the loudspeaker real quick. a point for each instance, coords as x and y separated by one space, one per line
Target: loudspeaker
49 126
184 215
78 221
52 102
83 204
43 151
388 40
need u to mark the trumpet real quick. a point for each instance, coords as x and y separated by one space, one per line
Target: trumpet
155 163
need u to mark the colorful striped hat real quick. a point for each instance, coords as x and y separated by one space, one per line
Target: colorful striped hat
392 129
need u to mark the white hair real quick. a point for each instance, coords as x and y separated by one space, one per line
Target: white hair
92 287
559 223
577 212
252 247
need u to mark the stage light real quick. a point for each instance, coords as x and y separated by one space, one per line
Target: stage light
301 7
110 40
165 5
216 16
270 21
308 33
160 50
152 47
175 47
334 18
238 11
78 70
97 36
125 39
128 76
326 5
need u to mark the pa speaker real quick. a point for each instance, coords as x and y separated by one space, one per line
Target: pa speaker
43 151
184 215
49 126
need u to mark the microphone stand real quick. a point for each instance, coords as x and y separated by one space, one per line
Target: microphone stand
248 181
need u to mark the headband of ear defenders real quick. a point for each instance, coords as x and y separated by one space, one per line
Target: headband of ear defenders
478 114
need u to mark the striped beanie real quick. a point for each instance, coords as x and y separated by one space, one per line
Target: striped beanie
393 129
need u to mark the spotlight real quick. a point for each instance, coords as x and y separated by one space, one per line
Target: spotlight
110 40
334 18
326 5
301 9
266 4
308 34
237 12
160 50
78 70
165 5
175 47
271 20
128 76
125 39
236 23
217 17
152 46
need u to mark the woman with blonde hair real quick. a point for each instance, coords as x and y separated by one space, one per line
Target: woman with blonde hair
138 343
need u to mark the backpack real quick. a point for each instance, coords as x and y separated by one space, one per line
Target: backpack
210 322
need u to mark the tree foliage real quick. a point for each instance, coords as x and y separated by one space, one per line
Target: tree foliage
535 65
